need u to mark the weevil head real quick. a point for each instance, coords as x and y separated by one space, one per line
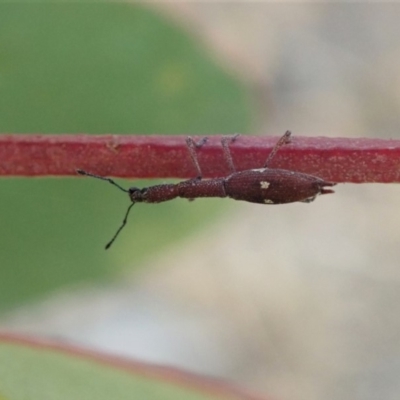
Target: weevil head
136 194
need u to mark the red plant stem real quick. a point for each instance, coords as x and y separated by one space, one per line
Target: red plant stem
334 159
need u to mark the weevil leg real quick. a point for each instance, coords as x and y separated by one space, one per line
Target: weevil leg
225 141
285 139
192 147
309 200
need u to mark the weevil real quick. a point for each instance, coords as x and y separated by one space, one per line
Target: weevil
261 185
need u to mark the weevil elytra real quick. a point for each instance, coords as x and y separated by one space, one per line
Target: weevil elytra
261 185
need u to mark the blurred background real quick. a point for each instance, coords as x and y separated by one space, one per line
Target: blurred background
299 301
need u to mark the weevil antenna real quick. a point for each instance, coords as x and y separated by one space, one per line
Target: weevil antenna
108 245
103 178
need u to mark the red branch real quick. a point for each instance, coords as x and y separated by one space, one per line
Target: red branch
334 159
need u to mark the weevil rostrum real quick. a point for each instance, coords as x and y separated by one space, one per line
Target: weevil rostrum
260 185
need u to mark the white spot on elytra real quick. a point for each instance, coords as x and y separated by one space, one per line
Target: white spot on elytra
259 169
268 201
264 184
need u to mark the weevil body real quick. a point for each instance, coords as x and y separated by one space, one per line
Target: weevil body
263 185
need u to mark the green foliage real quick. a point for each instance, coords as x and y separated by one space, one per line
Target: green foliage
98 68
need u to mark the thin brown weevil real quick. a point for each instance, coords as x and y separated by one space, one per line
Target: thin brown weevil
262 185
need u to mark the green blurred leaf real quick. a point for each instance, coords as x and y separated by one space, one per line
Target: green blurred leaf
98 68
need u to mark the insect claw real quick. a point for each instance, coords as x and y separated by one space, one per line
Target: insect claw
287 137
201 142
